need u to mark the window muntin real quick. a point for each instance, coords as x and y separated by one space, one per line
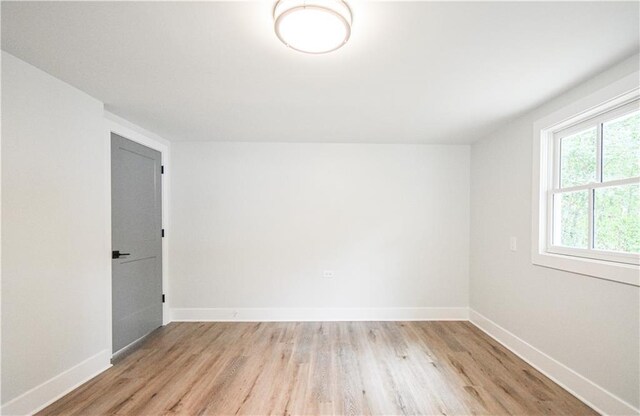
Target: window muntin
594 201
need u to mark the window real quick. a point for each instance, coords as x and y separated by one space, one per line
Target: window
594 201
586 185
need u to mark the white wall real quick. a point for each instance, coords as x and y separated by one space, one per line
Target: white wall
54 208
54 265
590 325
255 225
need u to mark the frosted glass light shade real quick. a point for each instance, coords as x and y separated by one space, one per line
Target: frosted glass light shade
318 26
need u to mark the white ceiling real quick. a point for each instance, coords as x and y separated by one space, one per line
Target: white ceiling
412 72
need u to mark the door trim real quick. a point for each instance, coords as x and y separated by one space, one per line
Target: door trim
121 127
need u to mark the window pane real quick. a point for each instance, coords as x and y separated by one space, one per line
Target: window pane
621 147
578 158
571 219
617 218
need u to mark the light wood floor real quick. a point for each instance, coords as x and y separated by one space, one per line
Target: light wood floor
347 368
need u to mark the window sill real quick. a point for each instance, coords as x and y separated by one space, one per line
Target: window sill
616 272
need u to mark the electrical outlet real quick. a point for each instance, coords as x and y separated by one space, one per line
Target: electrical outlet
328 274
513 244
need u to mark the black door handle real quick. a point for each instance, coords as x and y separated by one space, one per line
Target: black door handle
116 254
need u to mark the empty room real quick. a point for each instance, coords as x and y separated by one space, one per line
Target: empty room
320 207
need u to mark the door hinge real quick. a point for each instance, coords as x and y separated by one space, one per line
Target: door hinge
162 169
163 298
163 232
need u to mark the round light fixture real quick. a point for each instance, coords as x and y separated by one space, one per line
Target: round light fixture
316 26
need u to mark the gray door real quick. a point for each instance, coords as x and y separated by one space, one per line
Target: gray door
136 242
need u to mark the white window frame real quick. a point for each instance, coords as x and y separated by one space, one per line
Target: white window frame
616 98
555 188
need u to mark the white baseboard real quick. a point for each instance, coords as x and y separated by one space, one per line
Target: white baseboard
584 389
318 314
48 392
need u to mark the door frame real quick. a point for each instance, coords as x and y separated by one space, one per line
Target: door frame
121 127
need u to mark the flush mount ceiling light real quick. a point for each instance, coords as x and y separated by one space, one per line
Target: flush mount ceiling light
316 26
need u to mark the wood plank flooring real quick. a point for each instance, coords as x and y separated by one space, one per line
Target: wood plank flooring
341 368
